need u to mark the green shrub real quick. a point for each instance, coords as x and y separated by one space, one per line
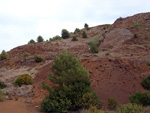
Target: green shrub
130 108
135 25
77 30
74 38
86 26
26 54
142 98
88 100
2 85
31 42
148 64
112 104
40 39
72 86
84 35
146 83
94 109
24 79
38 58
93 41
135 35
2 96
57 37
94 49
4 55
145 42
65 34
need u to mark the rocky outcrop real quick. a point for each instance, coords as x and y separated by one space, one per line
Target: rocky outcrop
127 22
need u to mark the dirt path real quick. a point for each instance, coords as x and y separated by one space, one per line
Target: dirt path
12 106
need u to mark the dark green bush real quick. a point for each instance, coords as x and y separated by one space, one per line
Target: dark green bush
74 38
146 83
38 58
40 39
142 98
73 86
65 34
4 55
112 104
2 85
24 79
84 35
31 42
135 35
86 26
130 108
94 49
57 37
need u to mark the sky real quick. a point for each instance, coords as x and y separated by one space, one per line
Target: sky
23 20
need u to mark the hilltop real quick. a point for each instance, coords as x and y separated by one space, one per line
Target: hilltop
116 71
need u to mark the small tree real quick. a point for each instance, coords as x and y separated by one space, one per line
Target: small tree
40 39
4 55
84 35
65 34
73 86
86 26
31 42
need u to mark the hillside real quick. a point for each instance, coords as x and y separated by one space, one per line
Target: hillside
116 71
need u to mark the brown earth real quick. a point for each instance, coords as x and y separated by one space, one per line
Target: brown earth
116 71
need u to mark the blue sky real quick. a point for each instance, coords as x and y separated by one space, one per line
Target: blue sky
22 20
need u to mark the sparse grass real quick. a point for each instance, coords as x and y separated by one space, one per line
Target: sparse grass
145 42
136 25
107 54
93 41
2 96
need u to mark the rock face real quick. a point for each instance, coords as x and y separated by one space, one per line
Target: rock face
127 22
116 37
25 90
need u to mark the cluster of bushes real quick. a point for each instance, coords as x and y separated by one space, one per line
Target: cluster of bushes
4 55
141 98
73 91
24 79
39 39
93 44
57 37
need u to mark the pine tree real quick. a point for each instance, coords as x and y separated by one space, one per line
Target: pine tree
73 83
4 55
